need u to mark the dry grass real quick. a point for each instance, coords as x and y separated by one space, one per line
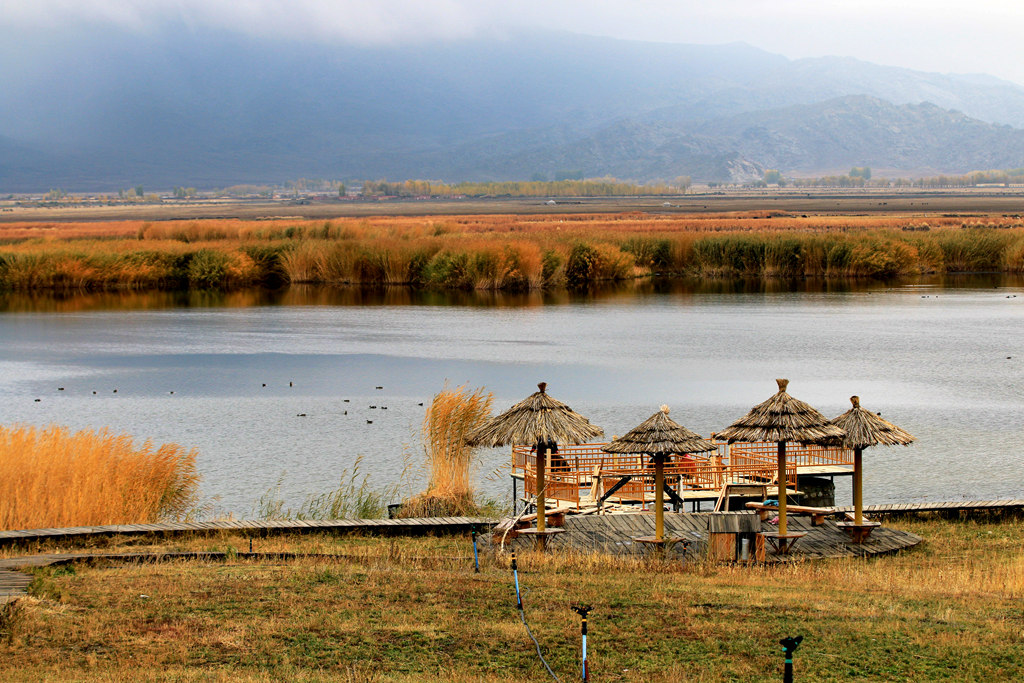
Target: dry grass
55 478
505 252
452 416
413 610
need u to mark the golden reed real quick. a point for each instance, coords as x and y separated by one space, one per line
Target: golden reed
55 478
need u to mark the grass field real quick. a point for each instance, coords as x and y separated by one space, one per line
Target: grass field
414 610
500 252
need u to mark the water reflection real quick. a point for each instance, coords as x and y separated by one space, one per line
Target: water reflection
318 295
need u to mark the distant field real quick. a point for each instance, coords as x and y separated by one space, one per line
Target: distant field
502 251
814 201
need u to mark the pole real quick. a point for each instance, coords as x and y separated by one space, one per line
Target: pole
542 456
515 503
515 575
659 499
858 488
789 646
582 611
782 489
476 556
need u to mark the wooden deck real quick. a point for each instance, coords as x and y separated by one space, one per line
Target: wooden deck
398 527
614 534
580 475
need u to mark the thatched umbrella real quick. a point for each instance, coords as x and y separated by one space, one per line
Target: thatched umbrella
659 437
864 429
782 418
541 421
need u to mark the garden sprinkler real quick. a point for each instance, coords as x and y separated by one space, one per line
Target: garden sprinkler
789 646
582 611
476 556
515 575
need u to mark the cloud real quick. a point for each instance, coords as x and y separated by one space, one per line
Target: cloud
934 35
354 21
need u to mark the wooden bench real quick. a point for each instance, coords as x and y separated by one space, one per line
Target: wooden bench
817 515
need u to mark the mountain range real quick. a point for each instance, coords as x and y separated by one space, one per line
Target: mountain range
105 109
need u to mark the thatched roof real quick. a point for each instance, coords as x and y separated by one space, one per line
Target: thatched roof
536 418
659 435
781 418
864 428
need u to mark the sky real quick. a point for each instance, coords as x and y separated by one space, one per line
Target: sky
981 36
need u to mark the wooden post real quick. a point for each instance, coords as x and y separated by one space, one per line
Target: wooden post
782 488
659 499
858 489
542 456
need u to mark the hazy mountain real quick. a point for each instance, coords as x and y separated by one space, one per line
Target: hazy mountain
102 109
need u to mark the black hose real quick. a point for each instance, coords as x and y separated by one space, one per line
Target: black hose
522 615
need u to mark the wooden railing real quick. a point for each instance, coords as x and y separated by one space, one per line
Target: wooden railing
570 478
582 459
798 455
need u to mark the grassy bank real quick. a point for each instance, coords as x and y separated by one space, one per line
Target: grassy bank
499 252
413 610
55 478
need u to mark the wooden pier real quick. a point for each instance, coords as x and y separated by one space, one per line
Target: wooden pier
616 534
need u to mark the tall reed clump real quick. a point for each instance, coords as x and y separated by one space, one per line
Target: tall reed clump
55 478
451 417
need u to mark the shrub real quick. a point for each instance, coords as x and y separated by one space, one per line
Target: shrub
581 268
208 269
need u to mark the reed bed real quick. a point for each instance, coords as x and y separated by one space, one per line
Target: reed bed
498 252
55 478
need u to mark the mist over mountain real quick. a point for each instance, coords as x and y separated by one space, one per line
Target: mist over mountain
105 109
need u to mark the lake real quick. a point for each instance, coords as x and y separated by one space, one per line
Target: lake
942 359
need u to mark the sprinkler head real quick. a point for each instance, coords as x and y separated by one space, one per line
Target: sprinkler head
790 644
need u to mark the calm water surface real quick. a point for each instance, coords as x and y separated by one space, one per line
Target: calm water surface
943 362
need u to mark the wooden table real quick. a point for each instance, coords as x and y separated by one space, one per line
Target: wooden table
662 544
782 543
541 537
858 533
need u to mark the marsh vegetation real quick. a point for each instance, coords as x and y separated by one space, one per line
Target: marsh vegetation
499 252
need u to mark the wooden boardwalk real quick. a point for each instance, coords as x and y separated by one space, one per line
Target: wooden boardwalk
420 526
584 533
950 506
14 584
614 534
